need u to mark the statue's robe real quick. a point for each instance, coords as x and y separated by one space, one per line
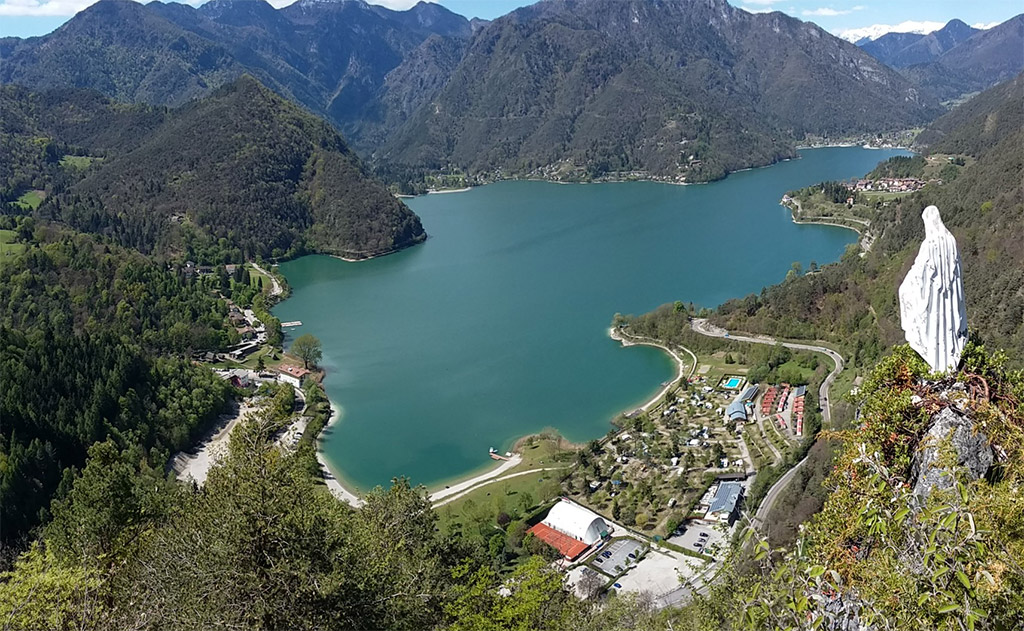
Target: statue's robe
932 307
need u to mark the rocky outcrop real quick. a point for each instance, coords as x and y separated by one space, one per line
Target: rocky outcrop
950 430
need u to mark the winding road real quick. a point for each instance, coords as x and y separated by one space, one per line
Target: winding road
702 326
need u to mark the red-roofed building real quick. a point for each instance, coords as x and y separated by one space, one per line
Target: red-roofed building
570 528
292 374
568 547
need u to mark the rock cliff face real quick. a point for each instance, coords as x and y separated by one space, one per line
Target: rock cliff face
954 430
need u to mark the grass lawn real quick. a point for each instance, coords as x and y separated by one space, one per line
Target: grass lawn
516 495
31 199
77 162
8 246
255 274
266 352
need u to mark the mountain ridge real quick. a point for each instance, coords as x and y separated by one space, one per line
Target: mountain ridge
378 74
535 86
242 167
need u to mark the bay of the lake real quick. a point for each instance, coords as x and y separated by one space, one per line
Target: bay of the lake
497 326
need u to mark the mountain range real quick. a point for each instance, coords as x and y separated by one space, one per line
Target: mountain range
956 59
332 57
683 89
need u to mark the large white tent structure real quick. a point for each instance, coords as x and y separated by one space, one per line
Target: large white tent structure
572 519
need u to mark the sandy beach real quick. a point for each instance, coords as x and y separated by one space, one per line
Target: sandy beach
336 487
450 190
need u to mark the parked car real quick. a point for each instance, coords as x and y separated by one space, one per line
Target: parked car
631 555
698 545
704 534
618 586
606 554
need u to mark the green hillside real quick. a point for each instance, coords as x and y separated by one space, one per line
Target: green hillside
853 303
240 174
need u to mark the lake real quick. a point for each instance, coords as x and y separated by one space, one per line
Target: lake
497 326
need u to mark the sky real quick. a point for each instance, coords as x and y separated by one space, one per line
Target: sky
847 18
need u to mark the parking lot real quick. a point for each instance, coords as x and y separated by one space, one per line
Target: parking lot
657 574
694 529
614 558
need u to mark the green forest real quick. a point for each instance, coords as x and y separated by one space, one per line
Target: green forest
241 174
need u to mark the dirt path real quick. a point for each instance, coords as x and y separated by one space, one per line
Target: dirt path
452 498
468 485
275 287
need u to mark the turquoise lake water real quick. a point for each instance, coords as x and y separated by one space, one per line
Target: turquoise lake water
496 326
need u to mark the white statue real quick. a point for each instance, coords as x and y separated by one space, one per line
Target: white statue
932 307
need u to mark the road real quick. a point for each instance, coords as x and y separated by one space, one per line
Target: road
702 326
773 494
275 287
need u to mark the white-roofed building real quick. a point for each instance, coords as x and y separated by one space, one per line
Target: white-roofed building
579 523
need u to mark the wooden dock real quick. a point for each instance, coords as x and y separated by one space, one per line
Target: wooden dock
285 325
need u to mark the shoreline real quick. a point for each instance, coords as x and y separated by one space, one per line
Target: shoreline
827 223
488 471
449 489
616 335
446 191
334 484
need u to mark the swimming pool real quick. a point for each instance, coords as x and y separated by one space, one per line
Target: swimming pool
732 383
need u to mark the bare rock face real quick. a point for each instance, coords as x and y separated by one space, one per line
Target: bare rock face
932 307
971 449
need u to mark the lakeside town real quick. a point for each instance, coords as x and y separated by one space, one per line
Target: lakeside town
650 509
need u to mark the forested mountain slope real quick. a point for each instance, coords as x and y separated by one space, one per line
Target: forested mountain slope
92 339
691 88
889 45
332 57
242 168
974 64
853 303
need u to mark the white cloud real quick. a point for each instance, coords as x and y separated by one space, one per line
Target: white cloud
877 30
985 27
67 8
827 12
47 8
757 9
763 3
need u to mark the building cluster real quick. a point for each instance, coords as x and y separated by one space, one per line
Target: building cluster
740 410
798 409
720 504
245 378
889 185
